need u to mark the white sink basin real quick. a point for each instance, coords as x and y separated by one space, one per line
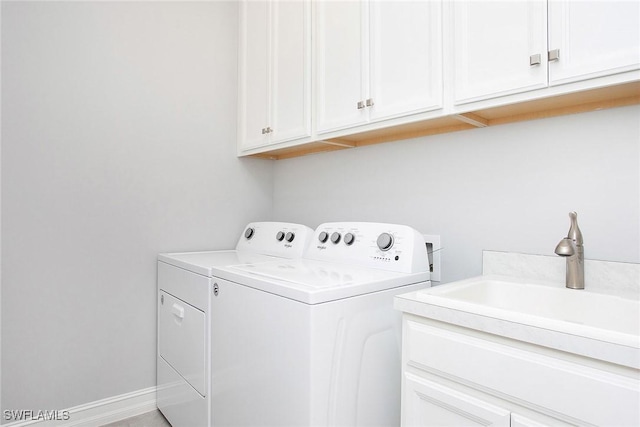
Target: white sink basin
576 312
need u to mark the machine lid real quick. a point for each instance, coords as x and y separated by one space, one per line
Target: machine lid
204 263
313 282
314 274
259 241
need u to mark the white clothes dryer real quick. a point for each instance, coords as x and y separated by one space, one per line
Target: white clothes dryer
186 285
315 341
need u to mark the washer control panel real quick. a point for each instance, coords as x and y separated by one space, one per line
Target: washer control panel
282 239
391 247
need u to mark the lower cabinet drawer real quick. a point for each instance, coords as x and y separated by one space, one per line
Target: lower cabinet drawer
427 403
560 386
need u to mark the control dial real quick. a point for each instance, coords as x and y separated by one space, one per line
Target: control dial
290 236
385 241
335 237
349 238
248 233
323 236
280 236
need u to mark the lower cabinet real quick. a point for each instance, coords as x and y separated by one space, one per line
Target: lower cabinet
428 403
455 376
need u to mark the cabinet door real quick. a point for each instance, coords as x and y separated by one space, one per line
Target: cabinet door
518 420
426 403
341 64
253 93
494 45
291 71
406 57
594 38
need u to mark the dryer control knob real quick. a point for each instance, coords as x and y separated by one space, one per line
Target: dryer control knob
290 236
323 236
335 237
248 233
385 241
280 236
349 238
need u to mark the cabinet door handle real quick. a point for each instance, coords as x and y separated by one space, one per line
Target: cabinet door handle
370 102
360 105
264 130
268 130
535 59
554 55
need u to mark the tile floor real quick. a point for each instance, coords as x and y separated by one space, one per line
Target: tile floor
150 419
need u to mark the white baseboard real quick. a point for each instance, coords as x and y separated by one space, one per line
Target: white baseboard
97 413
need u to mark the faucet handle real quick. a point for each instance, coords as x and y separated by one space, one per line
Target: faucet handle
574 231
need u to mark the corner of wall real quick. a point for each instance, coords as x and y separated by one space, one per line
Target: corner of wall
1 206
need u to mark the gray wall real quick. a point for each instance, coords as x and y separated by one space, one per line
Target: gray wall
507 188
0 208
118 142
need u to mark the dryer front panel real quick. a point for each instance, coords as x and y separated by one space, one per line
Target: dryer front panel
182 339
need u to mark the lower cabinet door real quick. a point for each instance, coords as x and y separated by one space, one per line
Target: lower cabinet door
427 403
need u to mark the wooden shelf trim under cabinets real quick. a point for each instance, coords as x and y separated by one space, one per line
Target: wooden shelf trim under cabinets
572 103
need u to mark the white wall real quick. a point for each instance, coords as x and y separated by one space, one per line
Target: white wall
118 142
506 188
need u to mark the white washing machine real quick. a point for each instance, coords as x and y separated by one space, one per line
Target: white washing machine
186 285
315 341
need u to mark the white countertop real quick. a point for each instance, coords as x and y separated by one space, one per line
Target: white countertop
525 325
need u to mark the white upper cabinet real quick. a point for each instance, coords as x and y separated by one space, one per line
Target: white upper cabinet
274 73
376 60
498 48
318 75
341 63
405 57
501 47
253 76
593 38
